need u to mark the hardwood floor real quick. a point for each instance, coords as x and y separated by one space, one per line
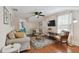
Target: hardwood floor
55 48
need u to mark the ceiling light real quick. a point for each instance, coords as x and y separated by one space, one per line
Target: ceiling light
75 21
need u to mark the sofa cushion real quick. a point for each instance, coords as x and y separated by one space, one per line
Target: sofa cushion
17 40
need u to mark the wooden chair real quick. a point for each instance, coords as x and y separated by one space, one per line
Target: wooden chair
64 38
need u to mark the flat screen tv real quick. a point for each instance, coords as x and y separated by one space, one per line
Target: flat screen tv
51 23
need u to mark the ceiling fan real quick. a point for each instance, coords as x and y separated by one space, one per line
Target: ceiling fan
37 14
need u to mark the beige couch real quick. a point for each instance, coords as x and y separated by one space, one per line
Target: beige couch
22 39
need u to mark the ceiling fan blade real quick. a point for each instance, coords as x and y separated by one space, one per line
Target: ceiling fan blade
41 15
36 13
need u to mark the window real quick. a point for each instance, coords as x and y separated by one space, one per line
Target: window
64 22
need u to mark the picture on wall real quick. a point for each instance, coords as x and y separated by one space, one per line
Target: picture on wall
10 19
6 16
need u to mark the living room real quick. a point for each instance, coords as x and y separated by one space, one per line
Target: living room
39 29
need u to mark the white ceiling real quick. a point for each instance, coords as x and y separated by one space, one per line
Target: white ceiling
26 11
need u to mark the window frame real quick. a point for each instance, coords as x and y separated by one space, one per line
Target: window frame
64 24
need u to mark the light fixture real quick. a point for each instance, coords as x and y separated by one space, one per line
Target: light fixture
75 21
37 16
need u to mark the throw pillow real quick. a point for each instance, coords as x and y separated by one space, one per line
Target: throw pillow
11 35
19 34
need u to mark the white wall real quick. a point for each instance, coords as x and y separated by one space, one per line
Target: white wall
45 24
15 22
75 39
4 29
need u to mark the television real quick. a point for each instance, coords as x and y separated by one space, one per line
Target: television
51 23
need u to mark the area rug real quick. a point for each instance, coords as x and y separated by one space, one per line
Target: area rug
41 43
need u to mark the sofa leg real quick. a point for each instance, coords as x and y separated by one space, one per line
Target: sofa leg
25 51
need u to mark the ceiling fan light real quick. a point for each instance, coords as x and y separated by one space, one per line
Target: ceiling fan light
36 16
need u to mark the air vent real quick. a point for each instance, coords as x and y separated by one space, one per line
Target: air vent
15 9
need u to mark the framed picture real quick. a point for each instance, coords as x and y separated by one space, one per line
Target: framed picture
10 19
6 15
